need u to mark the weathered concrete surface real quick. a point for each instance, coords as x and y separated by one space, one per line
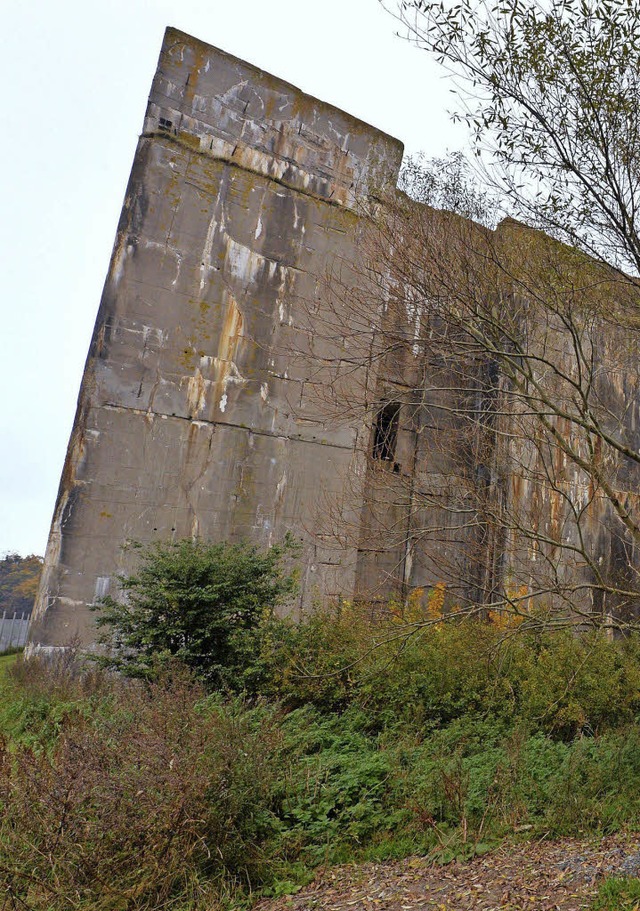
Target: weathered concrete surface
194 417
516 365
232 391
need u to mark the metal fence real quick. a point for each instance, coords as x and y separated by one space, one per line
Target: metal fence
13 630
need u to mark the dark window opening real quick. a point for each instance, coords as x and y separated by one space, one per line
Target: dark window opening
165 124
385 433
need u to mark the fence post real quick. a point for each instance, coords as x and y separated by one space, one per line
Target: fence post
11 628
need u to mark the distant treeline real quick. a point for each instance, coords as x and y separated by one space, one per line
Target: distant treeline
18 582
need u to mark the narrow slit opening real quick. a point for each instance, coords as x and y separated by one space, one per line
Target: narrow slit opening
385 432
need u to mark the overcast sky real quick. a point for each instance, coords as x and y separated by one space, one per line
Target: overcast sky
76 75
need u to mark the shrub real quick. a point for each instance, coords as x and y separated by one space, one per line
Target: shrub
161 797
435 675
423 678
356 741
597 787
338 785
420 678
38 696
195 602
321 660
569 684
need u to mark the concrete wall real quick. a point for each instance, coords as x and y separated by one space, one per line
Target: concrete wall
195 416
500 487
231 387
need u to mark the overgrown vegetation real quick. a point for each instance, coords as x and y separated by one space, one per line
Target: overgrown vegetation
342 738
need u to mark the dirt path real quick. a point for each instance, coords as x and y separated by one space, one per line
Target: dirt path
537 876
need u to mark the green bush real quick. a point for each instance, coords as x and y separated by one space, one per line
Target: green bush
597 787
434 676
319 661
423 678
351 740
337 789
341 657
196 602
38 697
572 684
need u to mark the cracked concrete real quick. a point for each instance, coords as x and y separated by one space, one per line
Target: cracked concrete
239 184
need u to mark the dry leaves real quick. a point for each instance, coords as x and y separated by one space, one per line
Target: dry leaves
541 876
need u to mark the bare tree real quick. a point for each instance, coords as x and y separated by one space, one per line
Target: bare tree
497 372
497 375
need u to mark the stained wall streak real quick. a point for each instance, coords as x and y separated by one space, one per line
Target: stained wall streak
194 418
257 333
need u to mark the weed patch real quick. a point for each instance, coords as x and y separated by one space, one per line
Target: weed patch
344 742
618 894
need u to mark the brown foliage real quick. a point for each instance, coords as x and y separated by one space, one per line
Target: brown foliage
147 801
